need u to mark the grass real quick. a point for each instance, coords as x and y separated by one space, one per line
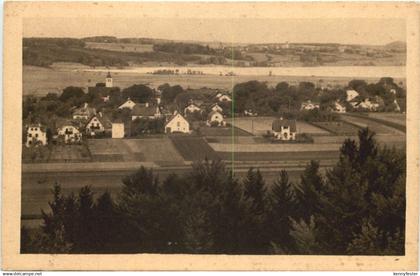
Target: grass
193 148
108 150
377 127
35 154
69 153
260 125
397 118
160 150
223 131
280 156
338 128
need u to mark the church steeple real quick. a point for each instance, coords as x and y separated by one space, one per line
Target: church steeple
108 80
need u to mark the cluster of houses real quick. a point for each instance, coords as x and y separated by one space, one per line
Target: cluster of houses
354 99
87 121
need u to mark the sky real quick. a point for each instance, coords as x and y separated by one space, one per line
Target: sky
237 30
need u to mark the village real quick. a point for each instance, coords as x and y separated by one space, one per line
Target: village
204 123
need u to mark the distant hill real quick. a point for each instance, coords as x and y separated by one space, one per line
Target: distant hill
397 45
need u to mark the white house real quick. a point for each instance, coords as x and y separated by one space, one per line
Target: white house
308 105
177 123
351 94
98 124
84 113
69 133
118 130
36 135
108 80
215 119
216 107
191 108
223 97
284 129
127 104
368 104
340 108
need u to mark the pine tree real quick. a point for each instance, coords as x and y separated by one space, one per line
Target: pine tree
282 207
308 192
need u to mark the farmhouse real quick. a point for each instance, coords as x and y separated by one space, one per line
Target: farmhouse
127 104
68 133
98 124
145 111
308 105
369 104
118 130
191 108
351 94
340 108
284 129
84 113
223 97
36 135
216 107
177 123
215 119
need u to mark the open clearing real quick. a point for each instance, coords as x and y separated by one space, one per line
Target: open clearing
279 156
223 131
69 153
260 125
255 148
109 150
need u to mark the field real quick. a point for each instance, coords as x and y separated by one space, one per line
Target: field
40 81
223 131
193 148
279 156
397 118
260 125
339 128
159 150
256 148
69 153
372 125
121 47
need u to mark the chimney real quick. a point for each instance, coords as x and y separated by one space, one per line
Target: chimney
85 105
146 104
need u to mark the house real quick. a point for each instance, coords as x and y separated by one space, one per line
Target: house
308 105
98 124
338 107
215 118
177 123
84 113
368 104
36 135
249 112
223 97
127 104
191 108
118 130
351 94
284 129
216 107
68 133
145 111
108 80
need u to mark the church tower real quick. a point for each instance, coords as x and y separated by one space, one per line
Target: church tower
108 80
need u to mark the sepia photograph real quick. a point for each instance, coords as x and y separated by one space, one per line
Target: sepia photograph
242 135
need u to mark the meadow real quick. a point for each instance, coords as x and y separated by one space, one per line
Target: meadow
120 47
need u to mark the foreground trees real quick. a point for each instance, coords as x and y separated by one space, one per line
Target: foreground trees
357 207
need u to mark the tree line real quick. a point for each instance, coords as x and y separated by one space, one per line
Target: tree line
355 208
